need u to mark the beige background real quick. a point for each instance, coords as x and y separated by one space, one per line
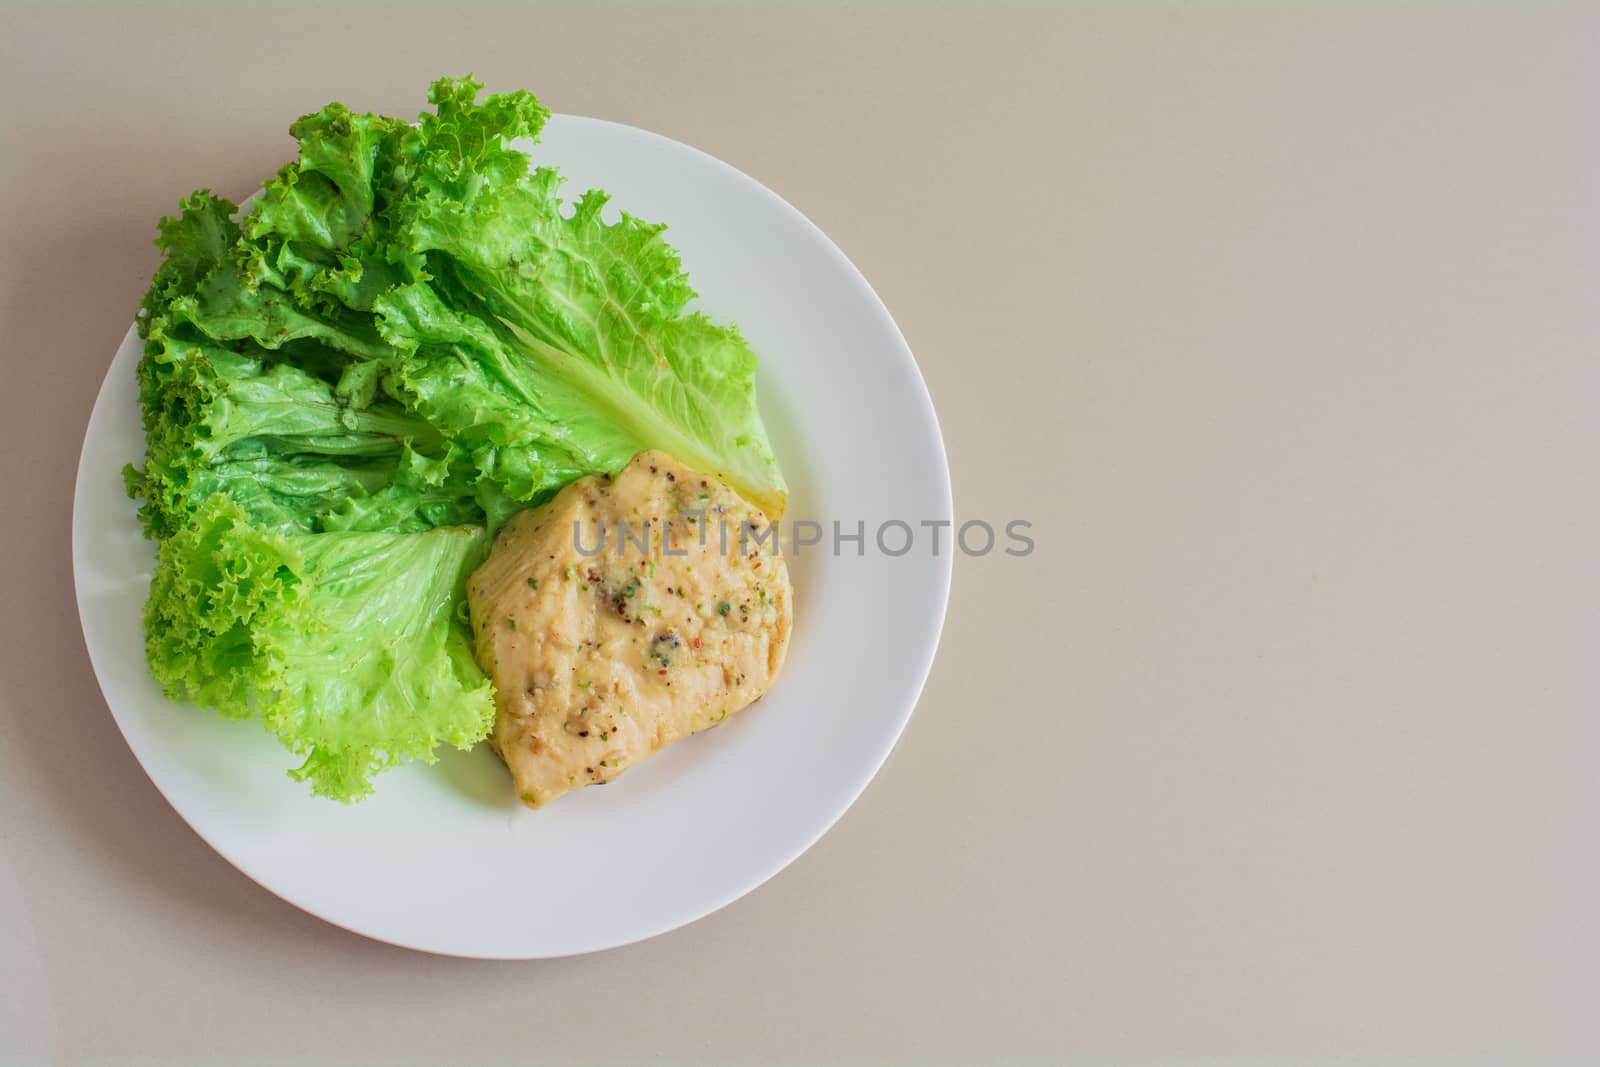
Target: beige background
1282 328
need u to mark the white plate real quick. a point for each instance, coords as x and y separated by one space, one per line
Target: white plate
444 858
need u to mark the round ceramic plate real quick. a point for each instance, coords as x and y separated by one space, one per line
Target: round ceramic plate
443 858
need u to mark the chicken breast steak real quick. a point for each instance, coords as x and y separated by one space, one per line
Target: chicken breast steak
625 614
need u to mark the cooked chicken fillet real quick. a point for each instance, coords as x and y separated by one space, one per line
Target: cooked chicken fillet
601 659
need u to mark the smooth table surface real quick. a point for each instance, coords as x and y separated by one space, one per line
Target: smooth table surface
1281 328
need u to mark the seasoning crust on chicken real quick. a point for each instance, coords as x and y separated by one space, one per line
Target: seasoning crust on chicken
601 658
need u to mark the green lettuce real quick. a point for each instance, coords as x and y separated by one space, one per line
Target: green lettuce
346 388
347 645
428 265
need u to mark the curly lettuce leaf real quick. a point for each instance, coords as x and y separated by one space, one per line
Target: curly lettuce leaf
540 342
298 440
588 318
581 323
347 645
